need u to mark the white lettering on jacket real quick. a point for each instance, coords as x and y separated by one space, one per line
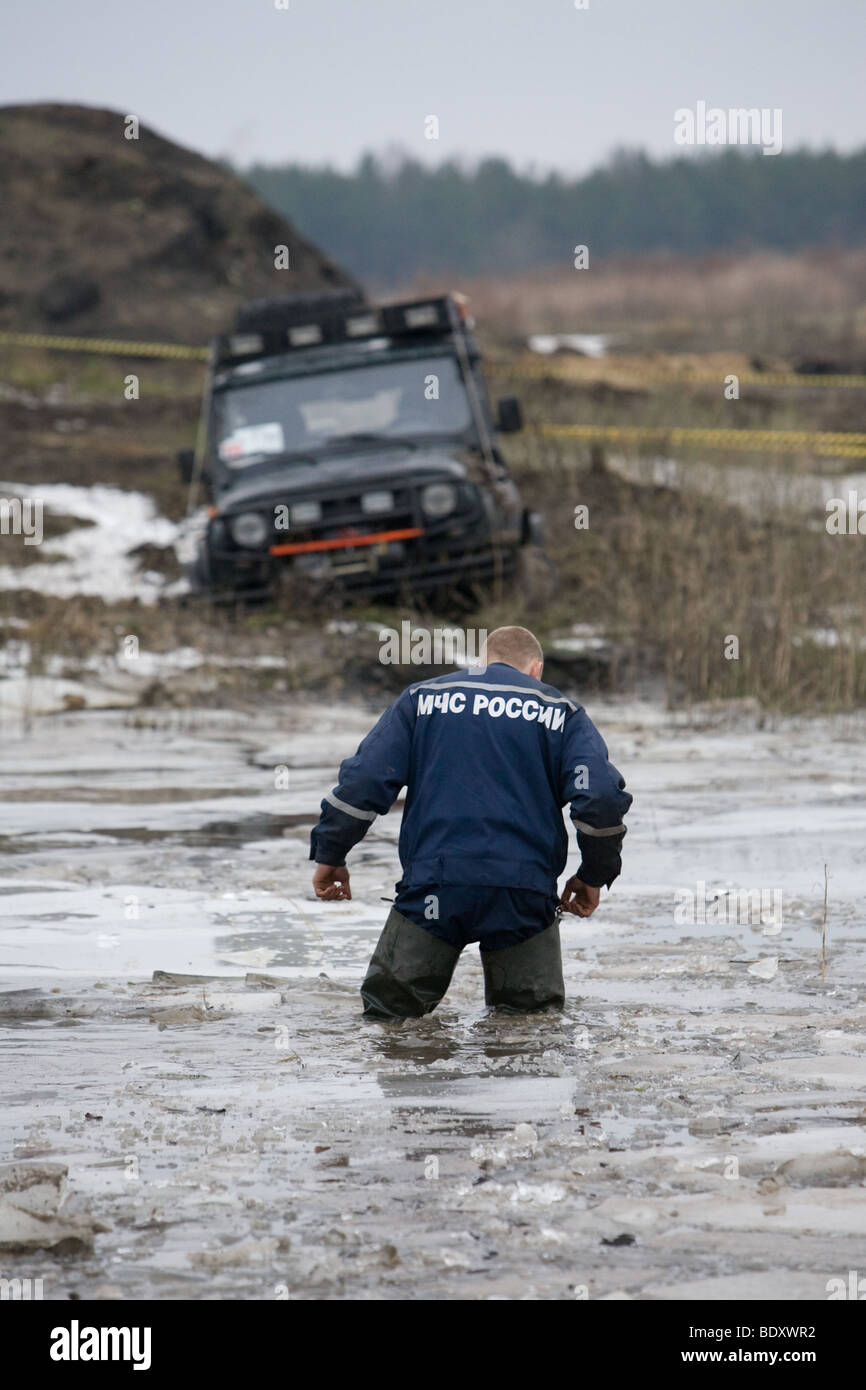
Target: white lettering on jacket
455 703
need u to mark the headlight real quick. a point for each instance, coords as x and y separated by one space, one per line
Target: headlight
439 499
249 530
305 513
373 503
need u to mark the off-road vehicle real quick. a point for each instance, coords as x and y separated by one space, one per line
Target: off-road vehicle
353 445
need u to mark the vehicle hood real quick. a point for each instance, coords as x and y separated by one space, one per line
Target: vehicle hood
300 478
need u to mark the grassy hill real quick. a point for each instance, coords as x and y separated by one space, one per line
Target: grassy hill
138 237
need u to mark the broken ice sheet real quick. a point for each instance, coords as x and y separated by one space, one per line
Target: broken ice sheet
765 969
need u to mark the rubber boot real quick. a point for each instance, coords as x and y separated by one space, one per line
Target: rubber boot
527 976
409 971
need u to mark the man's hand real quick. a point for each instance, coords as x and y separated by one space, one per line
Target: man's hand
579 898
331 882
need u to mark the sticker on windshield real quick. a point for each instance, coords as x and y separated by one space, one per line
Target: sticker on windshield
252 439
369 416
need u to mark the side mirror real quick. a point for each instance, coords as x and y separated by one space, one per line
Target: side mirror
185 464
510 415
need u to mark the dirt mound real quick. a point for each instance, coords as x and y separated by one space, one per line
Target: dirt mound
135 237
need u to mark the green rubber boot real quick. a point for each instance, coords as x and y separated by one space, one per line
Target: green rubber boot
527 976
409 971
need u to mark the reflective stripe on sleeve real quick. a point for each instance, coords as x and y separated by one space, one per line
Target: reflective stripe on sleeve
350 810
607 830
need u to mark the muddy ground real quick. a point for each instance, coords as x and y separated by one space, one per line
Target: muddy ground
691 1126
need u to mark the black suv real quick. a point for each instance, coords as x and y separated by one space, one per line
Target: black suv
353 445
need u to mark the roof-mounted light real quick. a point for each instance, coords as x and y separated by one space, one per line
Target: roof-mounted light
246 344
421 316
362 325
306 335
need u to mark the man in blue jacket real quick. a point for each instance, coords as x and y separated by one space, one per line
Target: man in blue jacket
489 757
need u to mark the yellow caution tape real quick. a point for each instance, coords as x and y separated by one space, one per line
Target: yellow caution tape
844 444
577 371
114 347
610 369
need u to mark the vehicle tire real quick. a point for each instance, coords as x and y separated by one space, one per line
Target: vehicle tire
198 574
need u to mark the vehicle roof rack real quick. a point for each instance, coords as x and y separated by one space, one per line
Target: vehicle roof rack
273 314
324 323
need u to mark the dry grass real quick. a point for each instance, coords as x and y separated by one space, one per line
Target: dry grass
760 302
675 574
670 573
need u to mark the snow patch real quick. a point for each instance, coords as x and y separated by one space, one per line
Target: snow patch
96 558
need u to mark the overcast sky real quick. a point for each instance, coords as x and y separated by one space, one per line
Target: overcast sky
539 81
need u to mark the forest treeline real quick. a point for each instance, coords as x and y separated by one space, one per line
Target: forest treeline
388 220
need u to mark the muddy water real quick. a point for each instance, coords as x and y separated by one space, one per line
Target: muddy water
181 1032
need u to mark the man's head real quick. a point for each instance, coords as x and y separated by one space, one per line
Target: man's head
517 647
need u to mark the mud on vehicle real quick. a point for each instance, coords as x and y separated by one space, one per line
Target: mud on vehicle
353 445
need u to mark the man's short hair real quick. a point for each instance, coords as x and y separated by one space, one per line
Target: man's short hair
516 646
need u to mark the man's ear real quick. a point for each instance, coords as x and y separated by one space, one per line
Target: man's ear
536 669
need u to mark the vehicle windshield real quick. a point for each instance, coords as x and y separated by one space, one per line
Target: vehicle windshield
385 400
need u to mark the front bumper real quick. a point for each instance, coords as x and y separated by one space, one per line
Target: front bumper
378 562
